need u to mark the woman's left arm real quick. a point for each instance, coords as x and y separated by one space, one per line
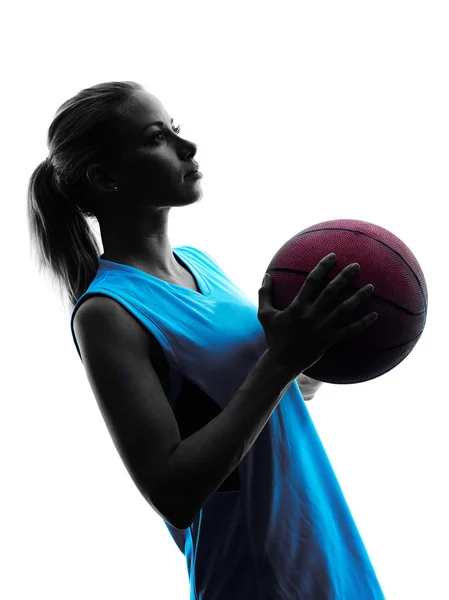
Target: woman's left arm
308 386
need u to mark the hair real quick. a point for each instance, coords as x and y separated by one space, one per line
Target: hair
85 130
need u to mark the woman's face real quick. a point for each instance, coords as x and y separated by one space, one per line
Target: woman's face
154 158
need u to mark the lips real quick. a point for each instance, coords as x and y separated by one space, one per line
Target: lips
190 172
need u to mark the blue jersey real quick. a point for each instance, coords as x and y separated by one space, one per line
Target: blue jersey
285 531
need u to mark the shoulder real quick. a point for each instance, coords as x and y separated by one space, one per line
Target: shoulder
103 317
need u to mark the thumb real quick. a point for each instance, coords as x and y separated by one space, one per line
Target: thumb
265 293
266 280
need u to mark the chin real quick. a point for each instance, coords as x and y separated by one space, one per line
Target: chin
196 197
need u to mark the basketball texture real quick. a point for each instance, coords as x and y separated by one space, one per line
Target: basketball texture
399 296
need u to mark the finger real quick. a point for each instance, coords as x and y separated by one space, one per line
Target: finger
265 294
329 296
308 289
356 327
343 309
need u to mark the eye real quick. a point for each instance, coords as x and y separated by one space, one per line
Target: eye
176 129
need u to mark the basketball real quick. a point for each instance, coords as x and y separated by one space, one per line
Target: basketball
399 296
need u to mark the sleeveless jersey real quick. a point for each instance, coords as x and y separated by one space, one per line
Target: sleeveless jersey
287 532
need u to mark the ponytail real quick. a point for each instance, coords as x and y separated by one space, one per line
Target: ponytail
85 130
61 234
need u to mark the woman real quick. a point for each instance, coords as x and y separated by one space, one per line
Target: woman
175 356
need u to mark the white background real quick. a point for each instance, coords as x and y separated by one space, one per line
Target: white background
303 112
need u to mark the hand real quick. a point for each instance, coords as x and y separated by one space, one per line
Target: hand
308 386
302 333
